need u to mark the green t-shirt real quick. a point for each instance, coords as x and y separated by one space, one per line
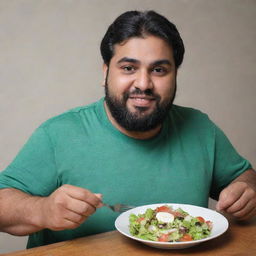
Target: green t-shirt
188 161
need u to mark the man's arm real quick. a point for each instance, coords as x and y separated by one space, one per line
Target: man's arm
66 208
239 197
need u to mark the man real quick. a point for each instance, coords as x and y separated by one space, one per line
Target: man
134 146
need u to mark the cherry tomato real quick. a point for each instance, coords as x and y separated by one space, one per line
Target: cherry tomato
209 224
167 209
177 214
186 237
163 209
201 219
163 238
140 219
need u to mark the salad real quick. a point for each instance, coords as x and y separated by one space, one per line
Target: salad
164 224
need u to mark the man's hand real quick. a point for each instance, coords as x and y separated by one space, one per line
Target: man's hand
239 198
67 207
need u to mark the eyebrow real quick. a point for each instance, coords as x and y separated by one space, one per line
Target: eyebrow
154 63
161 62
126 59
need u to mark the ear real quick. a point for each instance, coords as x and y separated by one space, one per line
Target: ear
105 73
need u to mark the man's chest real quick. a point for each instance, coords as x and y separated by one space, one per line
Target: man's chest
137 174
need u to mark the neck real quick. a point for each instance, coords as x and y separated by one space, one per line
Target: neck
134 134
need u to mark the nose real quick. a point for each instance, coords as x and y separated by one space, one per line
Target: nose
143 81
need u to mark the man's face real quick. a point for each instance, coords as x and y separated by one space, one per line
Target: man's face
140 83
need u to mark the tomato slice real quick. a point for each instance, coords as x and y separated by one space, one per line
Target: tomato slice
177 214
209 224
140 219
163 238
186 237
163 209
201 219
167 209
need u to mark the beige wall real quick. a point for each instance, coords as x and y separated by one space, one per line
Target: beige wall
50 62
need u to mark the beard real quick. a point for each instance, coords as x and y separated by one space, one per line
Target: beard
138 121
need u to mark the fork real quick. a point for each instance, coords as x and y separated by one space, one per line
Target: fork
119 207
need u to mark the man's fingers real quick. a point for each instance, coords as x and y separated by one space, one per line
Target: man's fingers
80 207
82 194
77 219
69 206
100 197
247 216
243 212
81 201
239 200
65 224
238 205
67 220
228 196
245 203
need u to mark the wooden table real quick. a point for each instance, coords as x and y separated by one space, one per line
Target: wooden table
240 239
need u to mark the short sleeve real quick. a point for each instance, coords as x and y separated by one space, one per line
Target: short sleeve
33 170
228 164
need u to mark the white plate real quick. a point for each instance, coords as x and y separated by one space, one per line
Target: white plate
220 224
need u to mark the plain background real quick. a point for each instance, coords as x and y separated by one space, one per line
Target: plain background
50 62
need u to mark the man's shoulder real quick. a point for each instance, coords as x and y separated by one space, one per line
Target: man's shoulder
182 112
190 116
72 116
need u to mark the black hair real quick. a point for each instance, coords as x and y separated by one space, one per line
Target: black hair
140 24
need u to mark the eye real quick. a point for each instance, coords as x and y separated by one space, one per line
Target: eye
159 70
128 69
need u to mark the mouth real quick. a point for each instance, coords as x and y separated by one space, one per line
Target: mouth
141 100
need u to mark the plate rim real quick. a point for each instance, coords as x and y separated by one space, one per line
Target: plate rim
172 243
